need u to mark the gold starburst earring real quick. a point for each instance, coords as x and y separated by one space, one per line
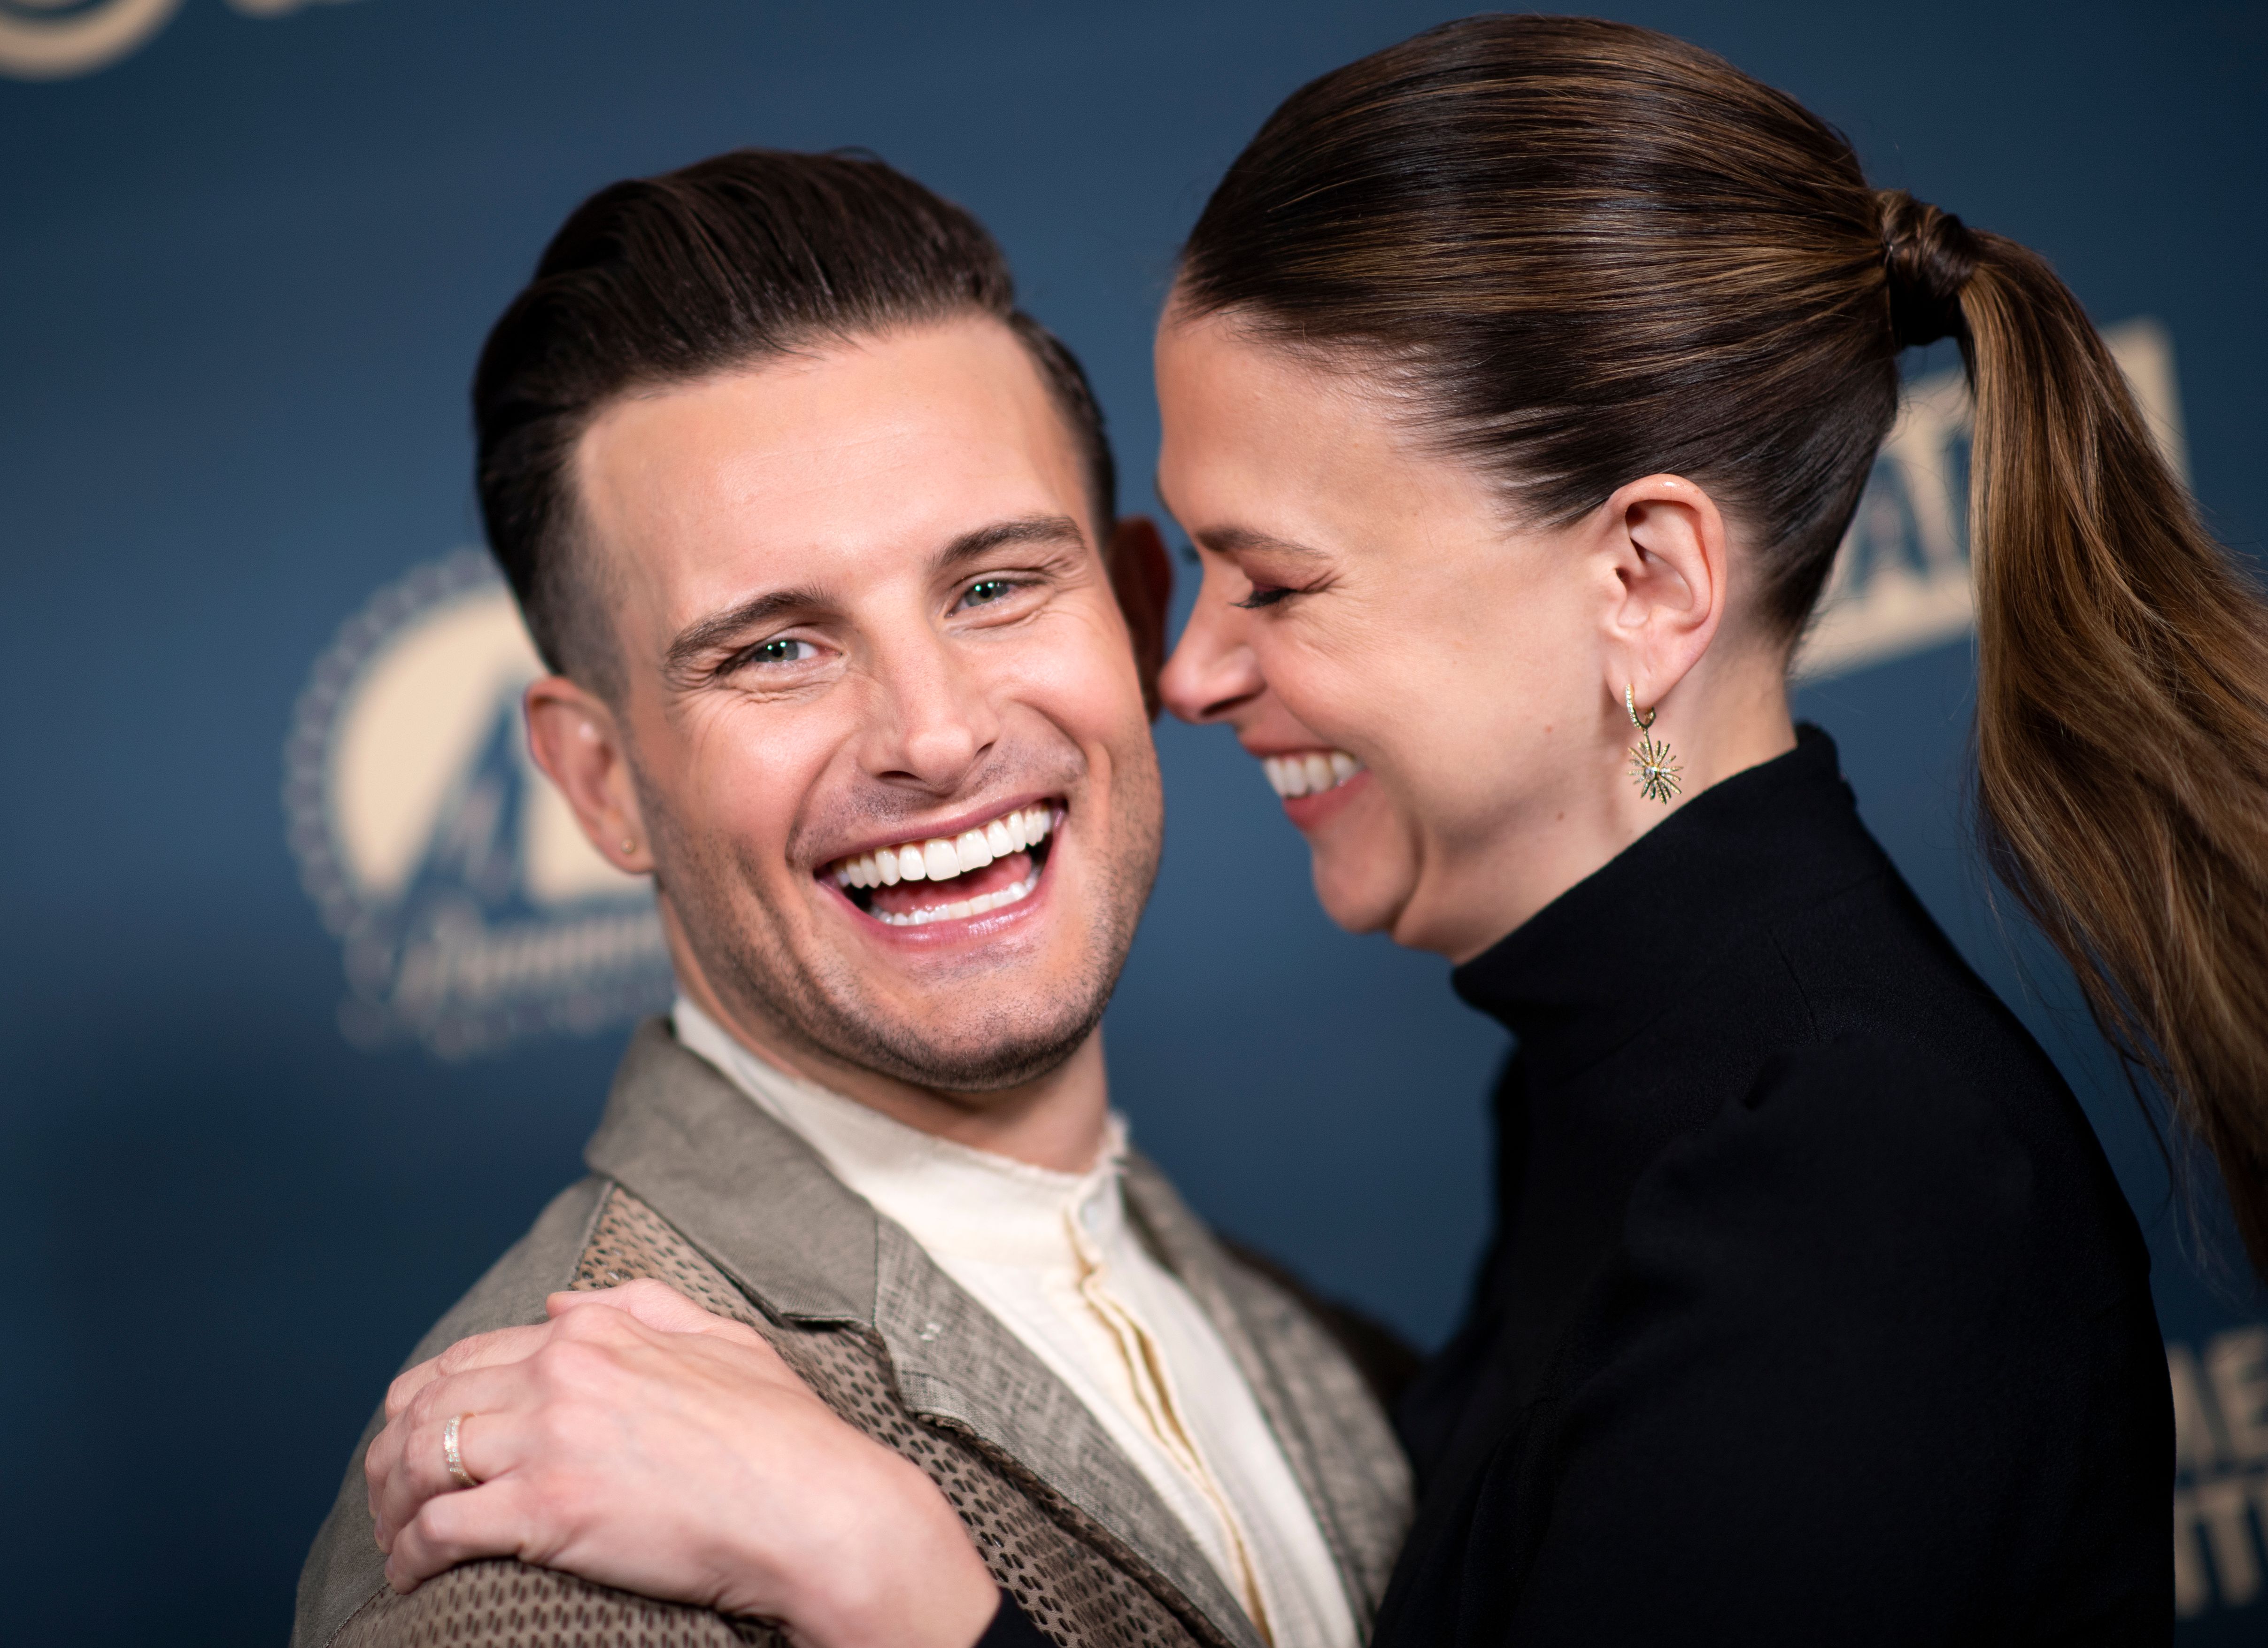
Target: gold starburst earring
1650 764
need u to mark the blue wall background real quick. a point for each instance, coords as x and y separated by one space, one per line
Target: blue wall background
243 276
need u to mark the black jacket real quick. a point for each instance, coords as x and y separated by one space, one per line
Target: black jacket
1814 1314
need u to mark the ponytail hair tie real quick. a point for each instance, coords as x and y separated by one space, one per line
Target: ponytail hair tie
1930 257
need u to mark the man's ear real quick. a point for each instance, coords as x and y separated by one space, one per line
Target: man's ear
1667 541
1142 577
577 741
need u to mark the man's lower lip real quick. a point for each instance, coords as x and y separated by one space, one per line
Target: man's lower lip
1308 811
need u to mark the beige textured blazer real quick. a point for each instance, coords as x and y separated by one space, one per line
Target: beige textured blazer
692 1183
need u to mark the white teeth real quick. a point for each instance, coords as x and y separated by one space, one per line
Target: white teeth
1310 772
941 859
961 910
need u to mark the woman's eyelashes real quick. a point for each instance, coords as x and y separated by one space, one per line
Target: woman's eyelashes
1267 595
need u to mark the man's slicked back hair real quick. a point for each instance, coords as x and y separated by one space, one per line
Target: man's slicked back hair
722 265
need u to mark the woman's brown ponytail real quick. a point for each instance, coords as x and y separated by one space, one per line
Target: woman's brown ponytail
1593 252
2122 692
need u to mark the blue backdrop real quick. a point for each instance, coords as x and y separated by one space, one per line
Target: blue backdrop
251 249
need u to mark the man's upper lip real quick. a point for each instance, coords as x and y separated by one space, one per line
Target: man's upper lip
973 818
1261 752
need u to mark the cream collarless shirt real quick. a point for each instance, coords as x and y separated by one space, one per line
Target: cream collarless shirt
1052 1255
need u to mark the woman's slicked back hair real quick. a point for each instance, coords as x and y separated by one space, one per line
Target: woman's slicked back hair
1588 252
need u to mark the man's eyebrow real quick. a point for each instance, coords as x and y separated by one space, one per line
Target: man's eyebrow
971 546
705 634
718 627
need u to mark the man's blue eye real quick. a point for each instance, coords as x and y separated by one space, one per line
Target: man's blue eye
987 589
780 652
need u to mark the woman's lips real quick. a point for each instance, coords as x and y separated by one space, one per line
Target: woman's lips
1307 812
1315 784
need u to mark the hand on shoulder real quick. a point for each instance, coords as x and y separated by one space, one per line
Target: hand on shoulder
639 1441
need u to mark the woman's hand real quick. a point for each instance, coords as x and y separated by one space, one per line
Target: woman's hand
636 1440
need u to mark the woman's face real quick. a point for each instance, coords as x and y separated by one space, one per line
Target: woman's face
1369 608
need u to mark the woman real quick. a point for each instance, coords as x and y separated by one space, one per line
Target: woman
1518 384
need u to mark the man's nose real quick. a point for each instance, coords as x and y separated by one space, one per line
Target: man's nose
937 719
1212 671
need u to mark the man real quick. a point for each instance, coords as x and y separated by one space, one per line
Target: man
817 533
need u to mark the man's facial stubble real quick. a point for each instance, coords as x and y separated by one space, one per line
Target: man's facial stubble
770 963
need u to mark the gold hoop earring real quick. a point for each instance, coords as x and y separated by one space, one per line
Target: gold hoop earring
1651 766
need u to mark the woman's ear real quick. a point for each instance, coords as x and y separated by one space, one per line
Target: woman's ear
1665 539
1142 577
577 741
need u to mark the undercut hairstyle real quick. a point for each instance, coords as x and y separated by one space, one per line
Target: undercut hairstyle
724 265
1586 253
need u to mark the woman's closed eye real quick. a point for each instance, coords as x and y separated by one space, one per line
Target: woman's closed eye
1266 595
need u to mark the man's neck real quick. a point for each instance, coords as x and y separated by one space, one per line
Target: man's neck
1057 1121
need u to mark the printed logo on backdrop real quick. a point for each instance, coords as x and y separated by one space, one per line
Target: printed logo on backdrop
2220 1454
54 40
471 908
1901 579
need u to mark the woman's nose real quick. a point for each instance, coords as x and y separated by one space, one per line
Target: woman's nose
1212 671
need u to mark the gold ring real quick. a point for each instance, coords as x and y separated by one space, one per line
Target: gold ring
456 1461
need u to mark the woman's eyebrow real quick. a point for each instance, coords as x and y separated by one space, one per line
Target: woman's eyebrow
1234 540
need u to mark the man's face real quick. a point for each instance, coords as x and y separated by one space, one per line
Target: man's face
881 707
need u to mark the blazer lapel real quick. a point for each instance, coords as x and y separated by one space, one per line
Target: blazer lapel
1341 1449
757 1200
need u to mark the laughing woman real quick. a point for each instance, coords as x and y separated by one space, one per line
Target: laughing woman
1519 383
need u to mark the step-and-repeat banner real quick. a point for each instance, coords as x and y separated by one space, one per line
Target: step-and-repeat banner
283 1078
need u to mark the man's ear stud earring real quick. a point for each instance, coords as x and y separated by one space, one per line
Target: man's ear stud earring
1656 774
629 847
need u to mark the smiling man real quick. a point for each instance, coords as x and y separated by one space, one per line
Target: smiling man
817 532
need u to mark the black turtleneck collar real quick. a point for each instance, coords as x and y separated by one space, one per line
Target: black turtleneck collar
1587 972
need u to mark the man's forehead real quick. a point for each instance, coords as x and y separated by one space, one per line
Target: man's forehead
880 447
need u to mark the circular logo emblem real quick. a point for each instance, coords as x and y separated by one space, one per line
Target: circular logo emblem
471 907
53 40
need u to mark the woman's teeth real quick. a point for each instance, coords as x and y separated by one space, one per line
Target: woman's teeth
941 858
1311 773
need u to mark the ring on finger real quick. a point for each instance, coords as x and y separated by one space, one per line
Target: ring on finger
455 1460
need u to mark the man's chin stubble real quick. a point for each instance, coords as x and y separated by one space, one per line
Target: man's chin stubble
989 1056
827 1011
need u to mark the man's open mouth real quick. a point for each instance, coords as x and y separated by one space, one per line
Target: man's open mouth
950 878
